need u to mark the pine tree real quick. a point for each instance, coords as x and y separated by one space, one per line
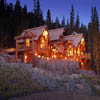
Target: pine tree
77 24
35 6
10 8
39 14
90 38
38 10
83 29
18 7
72 19
63 22
48 20
67 28
2 19
2 7
57 22
93 38
24 10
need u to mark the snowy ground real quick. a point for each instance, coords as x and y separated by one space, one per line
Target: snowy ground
51 75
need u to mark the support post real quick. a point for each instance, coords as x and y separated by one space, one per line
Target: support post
33 58
16 50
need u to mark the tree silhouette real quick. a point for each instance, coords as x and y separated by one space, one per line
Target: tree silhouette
57 22
77 24
72 20
63 22
48 20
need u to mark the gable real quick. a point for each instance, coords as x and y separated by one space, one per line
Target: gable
35 31
75 38
55 34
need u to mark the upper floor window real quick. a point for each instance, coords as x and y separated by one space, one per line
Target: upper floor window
45 33
28 42
42 45
82 41
70 50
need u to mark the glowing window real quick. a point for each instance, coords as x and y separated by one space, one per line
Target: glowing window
54 56
78 51
82 41
42 45
27 42
25 58
70 51
45 33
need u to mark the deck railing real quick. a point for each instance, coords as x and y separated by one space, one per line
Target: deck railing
24 47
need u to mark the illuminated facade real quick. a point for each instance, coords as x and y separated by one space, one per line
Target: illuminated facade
50 44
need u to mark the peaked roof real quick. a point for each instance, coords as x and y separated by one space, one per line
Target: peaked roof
37 31
56 33
75 38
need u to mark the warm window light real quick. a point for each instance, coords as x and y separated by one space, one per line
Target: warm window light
42 45
65 58
54 50
82 40
27 42
42 40
77 59
45 33
78 51
70 51
68 55
75 51
43 57
25 58
35 54
48 58
39 56
70 46
54 56
81 53
81 63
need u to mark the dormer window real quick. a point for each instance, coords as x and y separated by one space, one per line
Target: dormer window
27 42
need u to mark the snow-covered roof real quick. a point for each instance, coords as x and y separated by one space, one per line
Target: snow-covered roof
75 38
37 31
56 33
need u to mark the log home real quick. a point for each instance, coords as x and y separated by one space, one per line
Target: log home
50 44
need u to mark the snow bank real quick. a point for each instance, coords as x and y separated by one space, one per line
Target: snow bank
58 66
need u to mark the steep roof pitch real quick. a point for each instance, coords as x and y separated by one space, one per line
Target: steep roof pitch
75 38
36 31
56 33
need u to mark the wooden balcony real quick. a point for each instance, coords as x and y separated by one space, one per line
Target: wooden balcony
23 47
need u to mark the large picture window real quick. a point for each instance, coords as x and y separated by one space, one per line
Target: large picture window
27 42
42 43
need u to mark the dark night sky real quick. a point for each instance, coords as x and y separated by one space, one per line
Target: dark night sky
62 8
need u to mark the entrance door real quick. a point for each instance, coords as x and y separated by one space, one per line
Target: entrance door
25 58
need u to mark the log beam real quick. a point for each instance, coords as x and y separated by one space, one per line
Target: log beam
16 50
33 58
